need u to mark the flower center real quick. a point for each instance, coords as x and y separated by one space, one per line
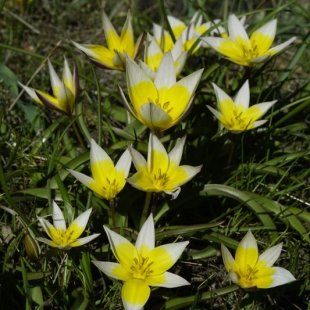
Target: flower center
63 237
164 106
250 51
237 121
111 188
246 279
142 267
160 179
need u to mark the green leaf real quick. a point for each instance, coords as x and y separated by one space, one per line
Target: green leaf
81 302
285 214
183 302
36 296
183 230
245 198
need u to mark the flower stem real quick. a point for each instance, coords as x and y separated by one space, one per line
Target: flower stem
112 210
154 203
239 300
77 133
145 207
232 148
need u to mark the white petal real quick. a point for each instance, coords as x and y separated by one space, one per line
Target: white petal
158 32
177 48
154 145
151 47
227 257
124 163
220 94
84 179
281 276
173 280
196 19
191 81
236 29
87 239
58 217
137 159
259 123
233 277
31 92
243 96
67 75
268 29
146 235
82 219
106 267
86 49
188 33
174 249
213 42
175 193
265 106
107 26
97 153
115 239
55 81
271 255
175 154
216 113
64 95
174 22
150 73
248 241
125 102
165 75
259 60
134 74
46 225
181 60
46 241
191 172
155 116
280 47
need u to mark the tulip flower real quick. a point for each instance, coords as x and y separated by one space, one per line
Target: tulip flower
161 172
246 51
108 180
250 270
142 265
189 34
113 56
62 237
236 115
163 103
64 92
153 55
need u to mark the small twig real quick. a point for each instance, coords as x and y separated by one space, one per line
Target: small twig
22 21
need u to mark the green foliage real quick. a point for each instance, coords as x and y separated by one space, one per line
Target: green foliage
256 180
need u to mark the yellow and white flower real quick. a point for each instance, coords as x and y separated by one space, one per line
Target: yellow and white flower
153 55
236 115
189 33
108 180
246 51
62 237
162 103
118 47
249 269
161 172
142 265
64 92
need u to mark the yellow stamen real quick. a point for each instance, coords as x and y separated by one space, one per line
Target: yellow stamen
142 266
